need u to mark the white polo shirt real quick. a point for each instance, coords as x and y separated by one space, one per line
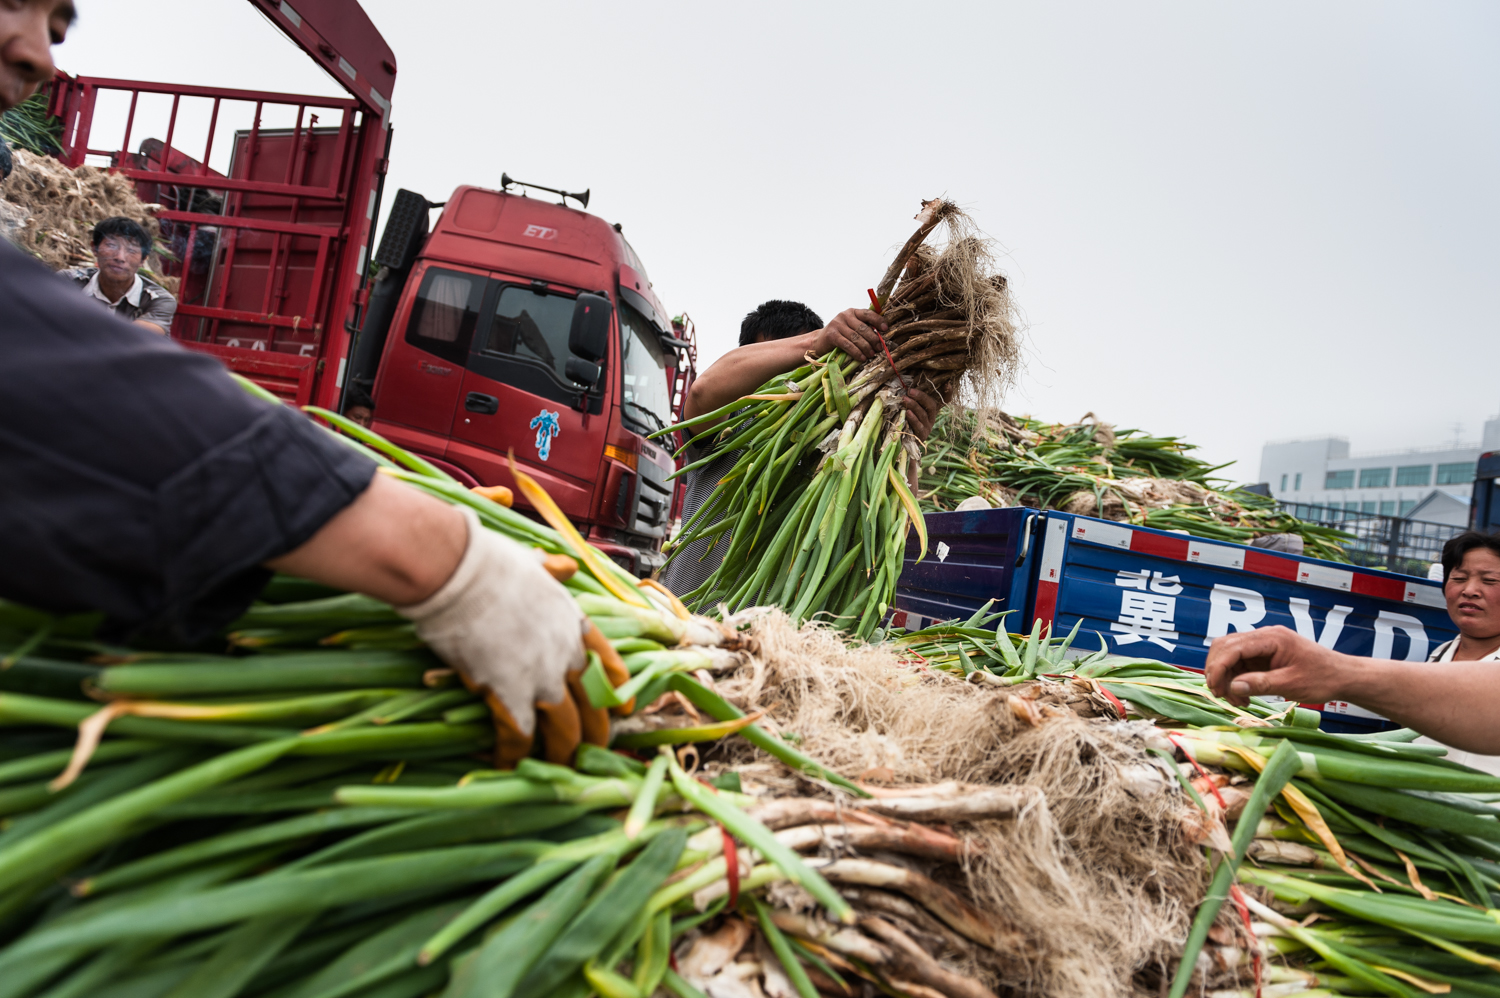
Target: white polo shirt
1489 763
133 295
1445 652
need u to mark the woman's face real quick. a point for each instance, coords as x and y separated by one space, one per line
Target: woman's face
1473 594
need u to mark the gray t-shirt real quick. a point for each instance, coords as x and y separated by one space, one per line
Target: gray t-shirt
692 566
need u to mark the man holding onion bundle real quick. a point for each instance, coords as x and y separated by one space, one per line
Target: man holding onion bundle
1450 698
141 481
777 337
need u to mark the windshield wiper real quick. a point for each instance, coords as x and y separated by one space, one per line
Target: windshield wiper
654 417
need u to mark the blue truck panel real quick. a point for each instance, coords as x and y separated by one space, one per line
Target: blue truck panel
1484 509
1157 594
972 558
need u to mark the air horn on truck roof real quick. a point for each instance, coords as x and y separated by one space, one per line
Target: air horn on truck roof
583 199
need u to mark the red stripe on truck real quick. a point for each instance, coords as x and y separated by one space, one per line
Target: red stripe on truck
1374 585
1248 559
1262 563
1175 548
1046 602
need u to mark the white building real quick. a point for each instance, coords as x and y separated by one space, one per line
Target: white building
1427 483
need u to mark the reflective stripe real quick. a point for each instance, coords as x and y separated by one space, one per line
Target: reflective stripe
1245 559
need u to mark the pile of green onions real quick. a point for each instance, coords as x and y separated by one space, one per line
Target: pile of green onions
28 126
1396 848
311 815
1019 460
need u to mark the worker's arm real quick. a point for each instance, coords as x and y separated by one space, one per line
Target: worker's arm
393 542
482 602
1452 702
141 481
744 369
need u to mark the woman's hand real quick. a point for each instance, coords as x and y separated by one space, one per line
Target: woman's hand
1275 661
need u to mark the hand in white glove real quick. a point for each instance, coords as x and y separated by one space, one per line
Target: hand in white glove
515 635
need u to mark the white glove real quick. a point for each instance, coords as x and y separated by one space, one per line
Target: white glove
508 628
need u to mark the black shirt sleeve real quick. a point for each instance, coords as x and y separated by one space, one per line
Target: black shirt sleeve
136 477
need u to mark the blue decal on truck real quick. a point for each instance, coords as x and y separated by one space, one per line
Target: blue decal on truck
546 426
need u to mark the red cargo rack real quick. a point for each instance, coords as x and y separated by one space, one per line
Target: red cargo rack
271 249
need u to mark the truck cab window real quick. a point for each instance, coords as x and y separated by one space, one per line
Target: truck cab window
526 344
445 312
647 395
531 325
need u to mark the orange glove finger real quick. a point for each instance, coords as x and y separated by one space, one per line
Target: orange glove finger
561 730
510 745
496 493
560 567
614 666
594 721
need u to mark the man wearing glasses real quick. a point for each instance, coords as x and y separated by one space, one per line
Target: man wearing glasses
120 247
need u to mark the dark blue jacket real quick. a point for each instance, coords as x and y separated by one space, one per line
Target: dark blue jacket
137 478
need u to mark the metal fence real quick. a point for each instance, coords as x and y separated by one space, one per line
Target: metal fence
1389 542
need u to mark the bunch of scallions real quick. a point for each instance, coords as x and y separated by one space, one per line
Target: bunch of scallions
1375 861
28 126
312 815
817 506
1093 469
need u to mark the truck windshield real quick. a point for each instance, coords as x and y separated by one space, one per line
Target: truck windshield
644 373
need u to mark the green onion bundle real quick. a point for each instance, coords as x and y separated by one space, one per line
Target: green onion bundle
28 126
1090 468
817 505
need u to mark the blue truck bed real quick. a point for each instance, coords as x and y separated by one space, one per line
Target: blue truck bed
1159 594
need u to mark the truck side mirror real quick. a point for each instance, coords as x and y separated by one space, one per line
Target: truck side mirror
581 372
588 337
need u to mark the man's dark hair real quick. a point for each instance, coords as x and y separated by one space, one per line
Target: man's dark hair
776 320
119 225
1457 547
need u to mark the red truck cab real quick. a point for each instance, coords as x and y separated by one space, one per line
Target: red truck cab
525 328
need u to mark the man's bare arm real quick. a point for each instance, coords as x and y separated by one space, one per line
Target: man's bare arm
744 369
1453 702
393 542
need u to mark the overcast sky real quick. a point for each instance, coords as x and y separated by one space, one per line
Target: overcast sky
1233 222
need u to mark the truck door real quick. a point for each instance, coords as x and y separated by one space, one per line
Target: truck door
517 398
422 373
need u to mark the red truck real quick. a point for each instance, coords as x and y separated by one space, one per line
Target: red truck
514 326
